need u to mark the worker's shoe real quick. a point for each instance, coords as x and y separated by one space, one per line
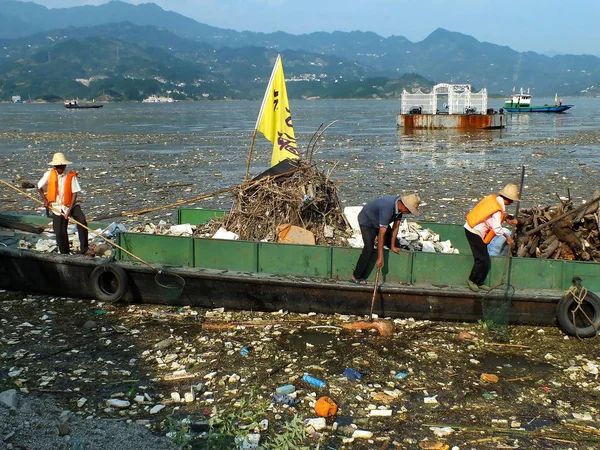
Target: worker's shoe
484 287
472 286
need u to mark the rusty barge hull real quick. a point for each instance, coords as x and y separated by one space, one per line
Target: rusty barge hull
454 121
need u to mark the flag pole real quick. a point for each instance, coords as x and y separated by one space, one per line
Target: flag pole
262 107
250 154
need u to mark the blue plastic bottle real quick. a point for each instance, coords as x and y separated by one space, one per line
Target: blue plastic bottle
286 389
352 374
314 381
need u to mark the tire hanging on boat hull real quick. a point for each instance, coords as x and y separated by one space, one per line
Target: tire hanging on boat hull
585 323
109 283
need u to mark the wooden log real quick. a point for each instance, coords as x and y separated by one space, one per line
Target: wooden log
556 219
549 250
591 209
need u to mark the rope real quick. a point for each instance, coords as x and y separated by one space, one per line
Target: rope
579 293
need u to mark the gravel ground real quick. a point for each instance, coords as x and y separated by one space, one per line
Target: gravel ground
442 384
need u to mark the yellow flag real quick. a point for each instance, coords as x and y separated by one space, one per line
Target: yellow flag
275 119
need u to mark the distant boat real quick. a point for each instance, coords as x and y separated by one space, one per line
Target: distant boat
74 104
521 102
157 99
16 99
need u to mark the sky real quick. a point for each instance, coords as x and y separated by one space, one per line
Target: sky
543 26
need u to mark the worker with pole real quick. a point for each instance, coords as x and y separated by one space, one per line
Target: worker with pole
58 188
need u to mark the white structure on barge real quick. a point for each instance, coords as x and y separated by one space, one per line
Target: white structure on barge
462 108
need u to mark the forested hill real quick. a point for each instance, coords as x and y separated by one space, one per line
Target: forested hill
170 52
129 62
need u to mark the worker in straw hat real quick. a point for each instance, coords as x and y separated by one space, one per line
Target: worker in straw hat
374 220
484 222
60 197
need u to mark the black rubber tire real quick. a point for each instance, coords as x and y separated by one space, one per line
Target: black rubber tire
582 328
109 283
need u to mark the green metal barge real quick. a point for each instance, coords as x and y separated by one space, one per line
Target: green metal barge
269 277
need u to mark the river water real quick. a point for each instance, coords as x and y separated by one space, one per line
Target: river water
137 155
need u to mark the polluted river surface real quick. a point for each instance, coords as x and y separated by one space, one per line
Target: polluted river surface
91 375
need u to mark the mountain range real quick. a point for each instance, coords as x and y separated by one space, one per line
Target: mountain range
127 52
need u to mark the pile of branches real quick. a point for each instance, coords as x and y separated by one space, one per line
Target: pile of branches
304 197
561 232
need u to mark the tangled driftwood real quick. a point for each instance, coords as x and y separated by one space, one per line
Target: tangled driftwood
305 198
562 232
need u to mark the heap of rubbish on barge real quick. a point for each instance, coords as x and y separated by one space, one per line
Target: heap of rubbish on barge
462 108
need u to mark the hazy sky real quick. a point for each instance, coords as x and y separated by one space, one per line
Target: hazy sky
563 26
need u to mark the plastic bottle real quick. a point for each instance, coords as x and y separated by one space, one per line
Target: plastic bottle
352 374
286 389
314 381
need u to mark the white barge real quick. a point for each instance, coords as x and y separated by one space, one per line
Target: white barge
448 106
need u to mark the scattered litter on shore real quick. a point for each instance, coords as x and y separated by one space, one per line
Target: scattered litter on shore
76 367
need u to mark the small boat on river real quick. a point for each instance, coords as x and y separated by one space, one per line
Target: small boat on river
521 103
74 104
461 109
265 276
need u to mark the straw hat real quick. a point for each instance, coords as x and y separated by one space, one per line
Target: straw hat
412 201
58 159
510 191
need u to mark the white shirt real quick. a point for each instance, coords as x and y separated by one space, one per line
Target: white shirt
494 222
58 206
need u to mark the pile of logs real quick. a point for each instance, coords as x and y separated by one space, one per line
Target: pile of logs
560 232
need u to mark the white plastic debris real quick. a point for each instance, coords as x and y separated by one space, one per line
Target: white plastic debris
410 235
428 247
442 431
431 400
156 409
184 229
362 434
44 245
380 413
117 403
222 233
317 423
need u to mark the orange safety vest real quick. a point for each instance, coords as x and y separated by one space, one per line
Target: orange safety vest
482 210
52 193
